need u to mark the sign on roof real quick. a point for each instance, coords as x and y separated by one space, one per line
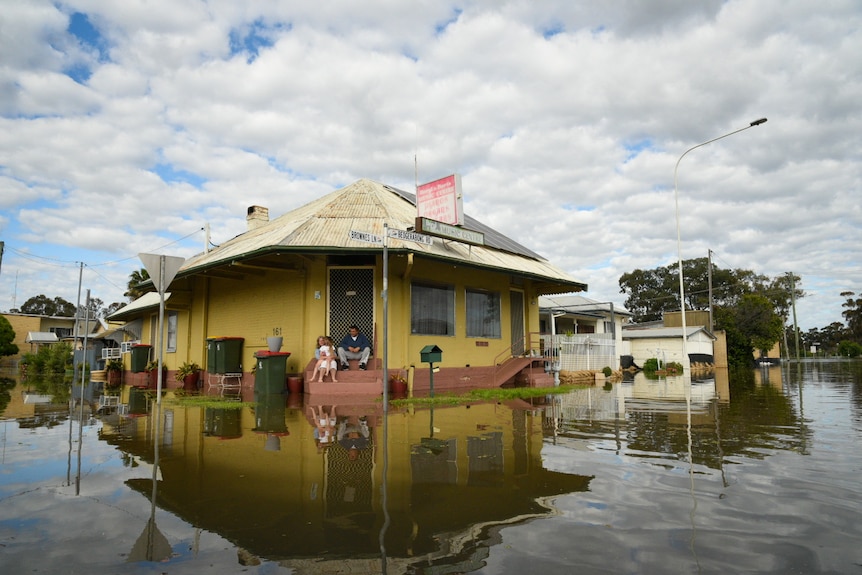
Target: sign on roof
441 200
451 232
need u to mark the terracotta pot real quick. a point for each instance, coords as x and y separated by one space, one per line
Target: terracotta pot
153 379
190 382
114 379
397 387
294 384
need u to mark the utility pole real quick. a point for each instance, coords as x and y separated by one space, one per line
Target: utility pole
709 275
793 302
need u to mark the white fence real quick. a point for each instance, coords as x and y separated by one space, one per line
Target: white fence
586 351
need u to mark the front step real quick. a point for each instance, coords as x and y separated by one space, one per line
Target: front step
350 382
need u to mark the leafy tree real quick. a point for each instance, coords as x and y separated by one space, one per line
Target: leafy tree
750 307
849 349
853 315
113 307
7 338
739 348
653 292
48 360
43 305
757 321
136 278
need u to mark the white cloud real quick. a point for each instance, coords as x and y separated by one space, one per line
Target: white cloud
565 121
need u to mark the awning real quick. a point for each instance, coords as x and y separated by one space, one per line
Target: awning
41 337
143 303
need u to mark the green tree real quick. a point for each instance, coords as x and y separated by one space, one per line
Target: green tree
7 338
43 305
136 278
853 315
849 349
757 321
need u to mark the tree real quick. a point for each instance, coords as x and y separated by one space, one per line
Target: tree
853 315
96 308
43 305
752 308
757 321
113 307
653 292
136 278
7 338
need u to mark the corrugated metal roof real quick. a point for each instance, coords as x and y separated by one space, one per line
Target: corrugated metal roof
41 337
365 206
579 304
662 332
148 300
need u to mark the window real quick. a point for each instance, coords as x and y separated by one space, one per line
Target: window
432 310
172 332
483 314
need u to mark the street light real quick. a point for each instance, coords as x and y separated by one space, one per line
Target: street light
685 362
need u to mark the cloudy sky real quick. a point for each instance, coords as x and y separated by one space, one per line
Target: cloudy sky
126 127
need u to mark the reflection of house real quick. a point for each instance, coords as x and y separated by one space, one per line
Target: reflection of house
447 471
663 341
588 333
319 269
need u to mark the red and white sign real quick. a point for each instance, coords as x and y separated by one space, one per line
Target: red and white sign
440 200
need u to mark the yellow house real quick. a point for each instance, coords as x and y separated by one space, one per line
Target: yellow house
320 268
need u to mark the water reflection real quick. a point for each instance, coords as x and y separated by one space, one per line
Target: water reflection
638 476
479 466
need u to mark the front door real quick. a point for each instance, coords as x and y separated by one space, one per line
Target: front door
516 312
351 301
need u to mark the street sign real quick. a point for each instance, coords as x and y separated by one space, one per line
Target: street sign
365 237
410 236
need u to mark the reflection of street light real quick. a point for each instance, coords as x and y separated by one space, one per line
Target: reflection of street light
685 362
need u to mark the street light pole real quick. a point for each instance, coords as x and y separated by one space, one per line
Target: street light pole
685 361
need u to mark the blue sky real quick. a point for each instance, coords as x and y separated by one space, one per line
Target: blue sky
128 128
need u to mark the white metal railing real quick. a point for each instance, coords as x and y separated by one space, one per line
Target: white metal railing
111 353
583 351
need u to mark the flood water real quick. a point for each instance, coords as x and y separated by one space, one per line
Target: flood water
756 472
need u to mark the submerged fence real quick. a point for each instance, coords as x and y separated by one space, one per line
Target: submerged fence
586 351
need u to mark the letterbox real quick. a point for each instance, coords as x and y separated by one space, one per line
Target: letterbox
431 354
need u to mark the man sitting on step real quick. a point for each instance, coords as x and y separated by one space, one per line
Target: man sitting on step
354 345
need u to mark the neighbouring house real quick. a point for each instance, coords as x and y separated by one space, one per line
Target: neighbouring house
319 269
663 341
587 333
33 331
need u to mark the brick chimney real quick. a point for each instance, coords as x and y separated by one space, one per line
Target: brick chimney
257 217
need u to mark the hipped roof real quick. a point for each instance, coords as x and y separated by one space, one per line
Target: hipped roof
324 226
147 301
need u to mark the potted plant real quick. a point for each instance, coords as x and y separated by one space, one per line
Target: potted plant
397 383
188 374
114 373
152 373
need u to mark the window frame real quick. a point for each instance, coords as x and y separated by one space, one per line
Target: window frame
497 322
447 291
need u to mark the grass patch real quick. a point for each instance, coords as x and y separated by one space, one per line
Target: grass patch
491 394
207 401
